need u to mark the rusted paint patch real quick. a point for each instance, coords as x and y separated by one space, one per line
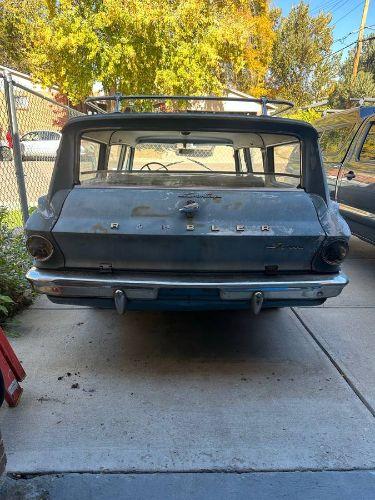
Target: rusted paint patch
146 211
98 228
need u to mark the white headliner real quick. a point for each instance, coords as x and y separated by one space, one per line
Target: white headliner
238 140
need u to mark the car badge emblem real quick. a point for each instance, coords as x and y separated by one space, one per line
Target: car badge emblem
194 194
282 246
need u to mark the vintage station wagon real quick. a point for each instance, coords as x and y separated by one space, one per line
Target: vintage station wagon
194 208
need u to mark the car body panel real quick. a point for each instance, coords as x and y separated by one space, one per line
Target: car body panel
352 180
135 228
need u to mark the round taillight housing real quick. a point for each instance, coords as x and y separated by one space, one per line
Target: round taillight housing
335 252
39 247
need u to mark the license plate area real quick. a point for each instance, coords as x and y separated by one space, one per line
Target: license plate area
205 294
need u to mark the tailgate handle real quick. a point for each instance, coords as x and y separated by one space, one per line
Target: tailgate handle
189 208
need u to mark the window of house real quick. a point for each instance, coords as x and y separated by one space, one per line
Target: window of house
21 101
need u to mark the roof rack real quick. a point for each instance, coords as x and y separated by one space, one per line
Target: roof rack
118 98
360 100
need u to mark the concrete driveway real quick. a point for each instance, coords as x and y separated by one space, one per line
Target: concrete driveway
288 390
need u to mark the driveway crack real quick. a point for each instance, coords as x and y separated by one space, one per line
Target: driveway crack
344 375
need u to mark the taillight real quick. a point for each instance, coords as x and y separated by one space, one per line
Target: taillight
335 252
39 247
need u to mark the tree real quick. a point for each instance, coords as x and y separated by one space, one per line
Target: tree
364 84
152 46
15 20
302 67
367 58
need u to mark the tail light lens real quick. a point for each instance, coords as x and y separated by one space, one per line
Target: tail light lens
335 252
39 247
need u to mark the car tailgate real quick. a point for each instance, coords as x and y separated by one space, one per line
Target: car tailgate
230 229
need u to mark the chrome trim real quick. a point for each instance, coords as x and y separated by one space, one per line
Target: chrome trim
145 286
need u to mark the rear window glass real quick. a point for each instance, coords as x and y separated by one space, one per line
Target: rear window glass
287 163
89 158
335 134
183 157
197 162
368 148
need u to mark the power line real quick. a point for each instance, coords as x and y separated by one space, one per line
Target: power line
326 5
364 40
335 7
349 12
341 40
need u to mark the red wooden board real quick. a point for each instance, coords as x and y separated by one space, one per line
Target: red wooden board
10 356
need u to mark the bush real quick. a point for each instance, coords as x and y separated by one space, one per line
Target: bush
15 291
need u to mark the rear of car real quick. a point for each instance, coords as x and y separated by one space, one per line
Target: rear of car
188 211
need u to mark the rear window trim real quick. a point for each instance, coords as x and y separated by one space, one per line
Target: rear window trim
299 138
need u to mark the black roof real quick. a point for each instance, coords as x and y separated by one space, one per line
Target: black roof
195 121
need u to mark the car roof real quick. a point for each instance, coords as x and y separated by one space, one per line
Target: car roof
191 121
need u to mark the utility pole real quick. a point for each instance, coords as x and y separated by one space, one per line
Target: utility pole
360 39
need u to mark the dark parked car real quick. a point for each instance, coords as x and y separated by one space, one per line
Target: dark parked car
347 139
157 223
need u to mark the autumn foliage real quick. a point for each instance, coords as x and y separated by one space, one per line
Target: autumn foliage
170 47
148 46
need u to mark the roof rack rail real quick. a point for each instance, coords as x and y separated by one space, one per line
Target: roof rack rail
362 100
118 98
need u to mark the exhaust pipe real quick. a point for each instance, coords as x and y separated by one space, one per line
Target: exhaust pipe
120 301
256 302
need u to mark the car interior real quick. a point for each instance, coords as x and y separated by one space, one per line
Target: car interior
182 159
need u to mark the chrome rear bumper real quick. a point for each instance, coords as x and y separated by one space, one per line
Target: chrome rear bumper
146 286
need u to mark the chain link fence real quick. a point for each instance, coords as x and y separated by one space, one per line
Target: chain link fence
30 125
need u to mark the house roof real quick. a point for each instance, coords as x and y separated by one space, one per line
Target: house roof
239 93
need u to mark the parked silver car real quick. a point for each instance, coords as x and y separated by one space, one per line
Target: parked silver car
151 221
40 145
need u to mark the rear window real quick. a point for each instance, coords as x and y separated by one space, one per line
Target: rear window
183 157
197 162
335 134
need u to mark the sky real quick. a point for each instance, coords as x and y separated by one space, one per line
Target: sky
346 18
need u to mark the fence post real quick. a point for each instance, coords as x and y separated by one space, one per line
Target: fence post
17 155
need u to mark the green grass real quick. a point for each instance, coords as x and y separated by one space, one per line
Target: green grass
15 291
13 218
